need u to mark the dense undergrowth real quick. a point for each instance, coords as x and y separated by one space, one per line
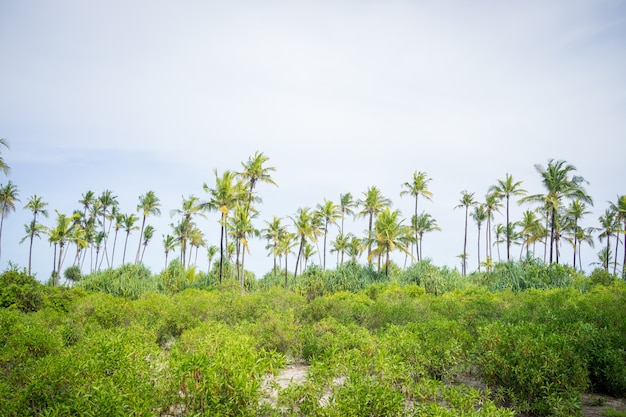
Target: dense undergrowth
524 339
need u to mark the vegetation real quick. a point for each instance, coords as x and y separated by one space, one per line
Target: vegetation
527 338
521 337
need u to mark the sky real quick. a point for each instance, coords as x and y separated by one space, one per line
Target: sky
340 95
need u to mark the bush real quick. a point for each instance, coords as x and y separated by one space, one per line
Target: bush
20 290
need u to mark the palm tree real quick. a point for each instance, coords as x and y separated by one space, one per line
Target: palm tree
373 203
416 187
60 235
608 225
574 213
305 229
242 228
191 207
128 222
8 196
148 233
346 206
169 243
87 202
499 231
149 204
329 213
560 184
227 193
479 215
211 251
107 200
355 247
119 222
620 211
37 206
424 223
492 205
285 245
532 230
272 233
254 172
507 188
339 246
466 201
307 253
196 240
389 235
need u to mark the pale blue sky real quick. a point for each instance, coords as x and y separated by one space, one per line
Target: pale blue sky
341 95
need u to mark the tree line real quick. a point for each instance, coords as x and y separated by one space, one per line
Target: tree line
94 232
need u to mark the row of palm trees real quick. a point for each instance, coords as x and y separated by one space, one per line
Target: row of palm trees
93 230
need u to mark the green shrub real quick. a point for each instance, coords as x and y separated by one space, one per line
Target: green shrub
540 369
20 290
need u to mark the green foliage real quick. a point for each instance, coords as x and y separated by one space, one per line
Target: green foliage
20 290
539 369
72 274
129 281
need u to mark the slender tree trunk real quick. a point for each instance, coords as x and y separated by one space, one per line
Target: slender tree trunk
145 245
465 243
114 244
222 251
125 244
30 252
616 252
508 234
624 262
369 243
299 256
143 224
58 274
1 223
478 248
243 270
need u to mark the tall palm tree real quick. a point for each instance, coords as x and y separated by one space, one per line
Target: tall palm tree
87 202
492 205
560 183
499 231
60 235
8 197
107 200
3 166
466 201
424 223
37 206
574 213
192 206
608 226
148 234
272 233
620 212
372 203
329 213
355 247
254 172
346 206
242 228
196 240
128 222
531 230
305 230
389 235
416 187
287 242
149 205
211 251
169 243
119 222
479 215
228 191
505 189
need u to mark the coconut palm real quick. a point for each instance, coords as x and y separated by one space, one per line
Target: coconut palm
305 231
169 244
560 183
620 212
192 206
424 223
505 189
608 226
3 166
574 213
492 205
286 243
532 230
60 235
346 206
272 233
372 203
107 200
148 234
228 191
128 222
149 204
119 222
329 213
211 251
8 197
466 201
254 172
390 235
241 229
339 246
196 240
416 187
479 215
37 206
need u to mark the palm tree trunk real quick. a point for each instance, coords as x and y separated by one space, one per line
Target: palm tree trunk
143 223
478 248
508 235
125 244
616 250
465 243
30 253
299 256
222 251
